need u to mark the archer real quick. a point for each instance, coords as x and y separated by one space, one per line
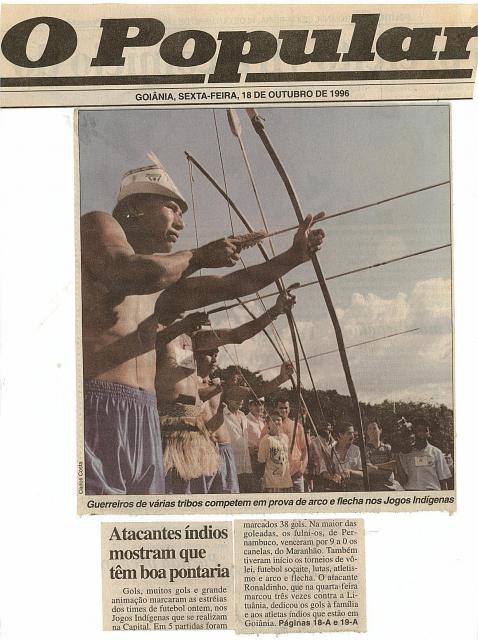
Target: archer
126 260
179 401
206 446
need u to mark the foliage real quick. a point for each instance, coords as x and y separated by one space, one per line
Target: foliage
335 407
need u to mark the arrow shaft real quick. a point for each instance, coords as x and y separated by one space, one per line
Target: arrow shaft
338 275
237 131
378 202
264 253
349 346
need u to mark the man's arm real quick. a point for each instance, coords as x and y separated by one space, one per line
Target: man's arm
234 392
212 339
108 256
206 390
331 476
386 466
189 324
191 293
147 336
217 420
266 388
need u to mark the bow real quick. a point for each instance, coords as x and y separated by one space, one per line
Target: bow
266 257
259 128
235 126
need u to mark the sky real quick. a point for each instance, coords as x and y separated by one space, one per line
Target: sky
338 157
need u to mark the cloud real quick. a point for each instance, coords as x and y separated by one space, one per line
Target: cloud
431 301
368 313
415 366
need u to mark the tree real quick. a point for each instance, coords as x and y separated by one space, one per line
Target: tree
334 407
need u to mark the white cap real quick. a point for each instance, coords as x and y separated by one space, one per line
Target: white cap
151 179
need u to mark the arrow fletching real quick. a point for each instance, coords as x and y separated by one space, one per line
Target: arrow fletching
154 159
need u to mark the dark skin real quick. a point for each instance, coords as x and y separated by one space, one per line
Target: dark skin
422 436
207 340
138 343
175 365
176 373
196 292
124 267
214 394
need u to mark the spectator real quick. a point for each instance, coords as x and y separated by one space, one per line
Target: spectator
255 426
236 424
274 453
321 452
424 467
451 466
346 472
381 460
298 457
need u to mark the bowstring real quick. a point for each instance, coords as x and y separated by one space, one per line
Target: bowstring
309 371
281 281
258 297
193 203
222 168
236 361
237 367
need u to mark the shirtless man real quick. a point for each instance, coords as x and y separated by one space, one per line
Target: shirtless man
190 455
122 274
175 379
176 384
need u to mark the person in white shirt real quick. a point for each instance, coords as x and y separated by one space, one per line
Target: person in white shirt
235 422
255 425
424 467
255 422
346 472
255 417
214 395
320 449
298 456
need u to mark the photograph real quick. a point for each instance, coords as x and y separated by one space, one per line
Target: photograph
238 334
266 299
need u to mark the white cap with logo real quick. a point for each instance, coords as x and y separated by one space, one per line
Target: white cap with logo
151 179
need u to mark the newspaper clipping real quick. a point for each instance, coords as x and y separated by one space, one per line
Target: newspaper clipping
267 576
237 337
264 290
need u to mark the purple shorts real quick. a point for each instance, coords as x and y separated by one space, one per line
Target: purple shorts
123 453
